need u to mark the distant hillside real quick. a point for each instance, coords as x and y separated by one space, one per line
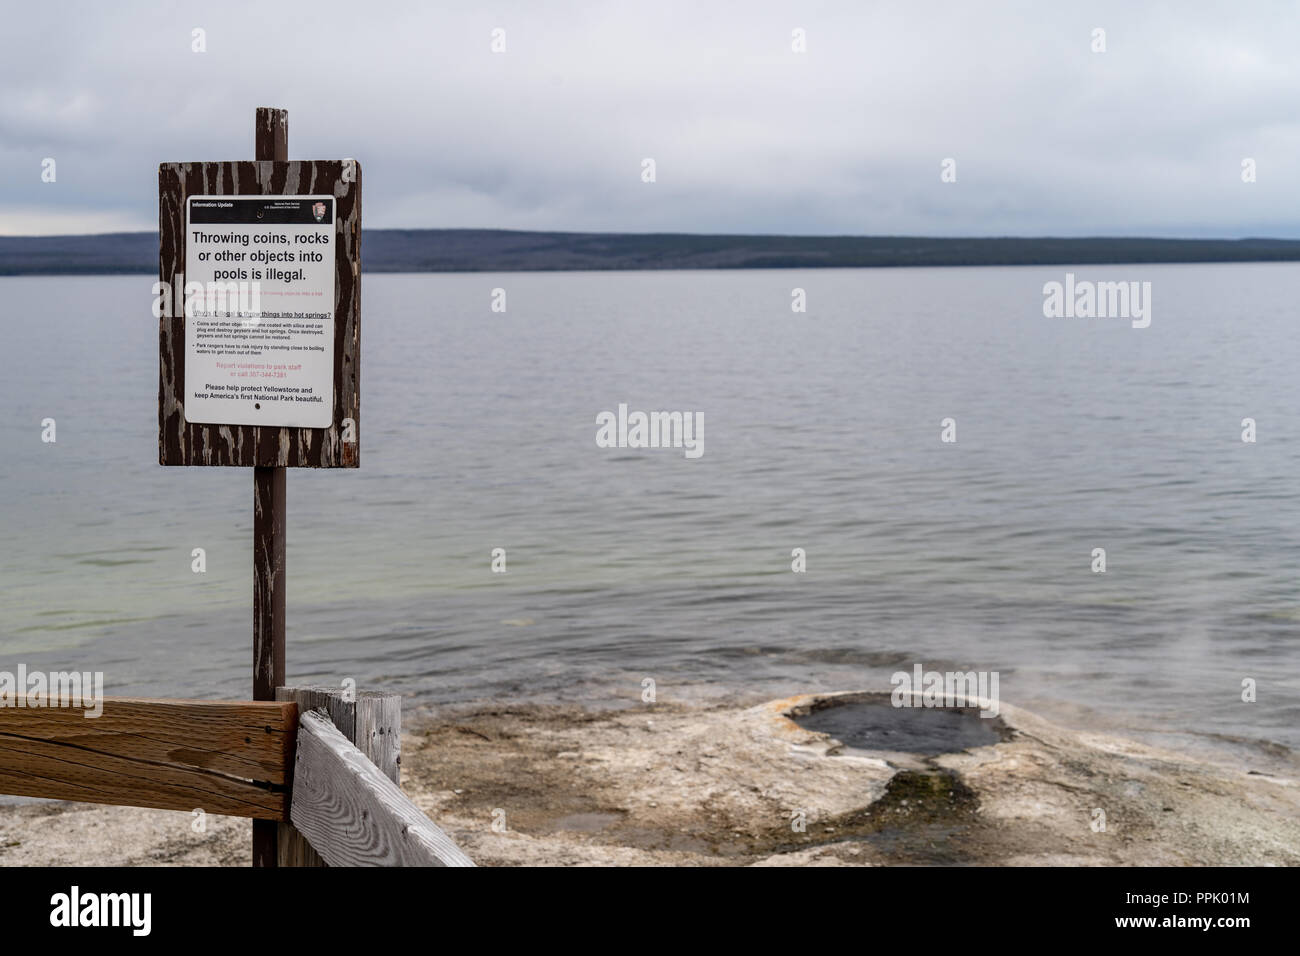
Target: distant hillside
494 250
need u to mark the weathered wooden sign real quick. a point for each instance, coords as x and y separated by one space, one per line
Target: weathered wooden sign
260 314
259 346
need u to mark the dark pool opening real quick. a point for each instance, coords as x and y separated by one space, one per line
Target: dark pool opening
874 724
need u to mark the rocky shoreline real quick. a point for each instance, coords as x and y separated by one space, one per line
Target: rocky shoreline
737 784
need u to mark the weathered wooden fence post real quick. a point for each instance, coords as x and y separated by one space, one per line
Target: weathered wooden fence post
271 144
351 813
371 721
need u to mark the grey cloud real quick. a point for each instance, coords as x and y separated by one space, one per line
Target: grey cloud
1049 137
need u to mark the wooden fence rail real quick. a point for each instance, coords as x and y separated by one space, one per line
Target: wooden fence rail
225 757
277 761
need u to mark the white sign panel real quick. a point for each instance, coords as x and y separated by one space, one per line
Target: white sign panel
259 310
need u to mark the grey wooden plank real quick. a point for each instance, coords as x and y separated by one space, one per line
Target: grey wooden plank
371 720
352 813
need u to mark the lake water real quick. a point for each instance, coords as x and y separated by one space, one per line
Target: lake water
822 433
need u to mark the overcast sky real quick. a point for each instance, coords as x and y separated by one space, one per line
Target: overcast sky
747 135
